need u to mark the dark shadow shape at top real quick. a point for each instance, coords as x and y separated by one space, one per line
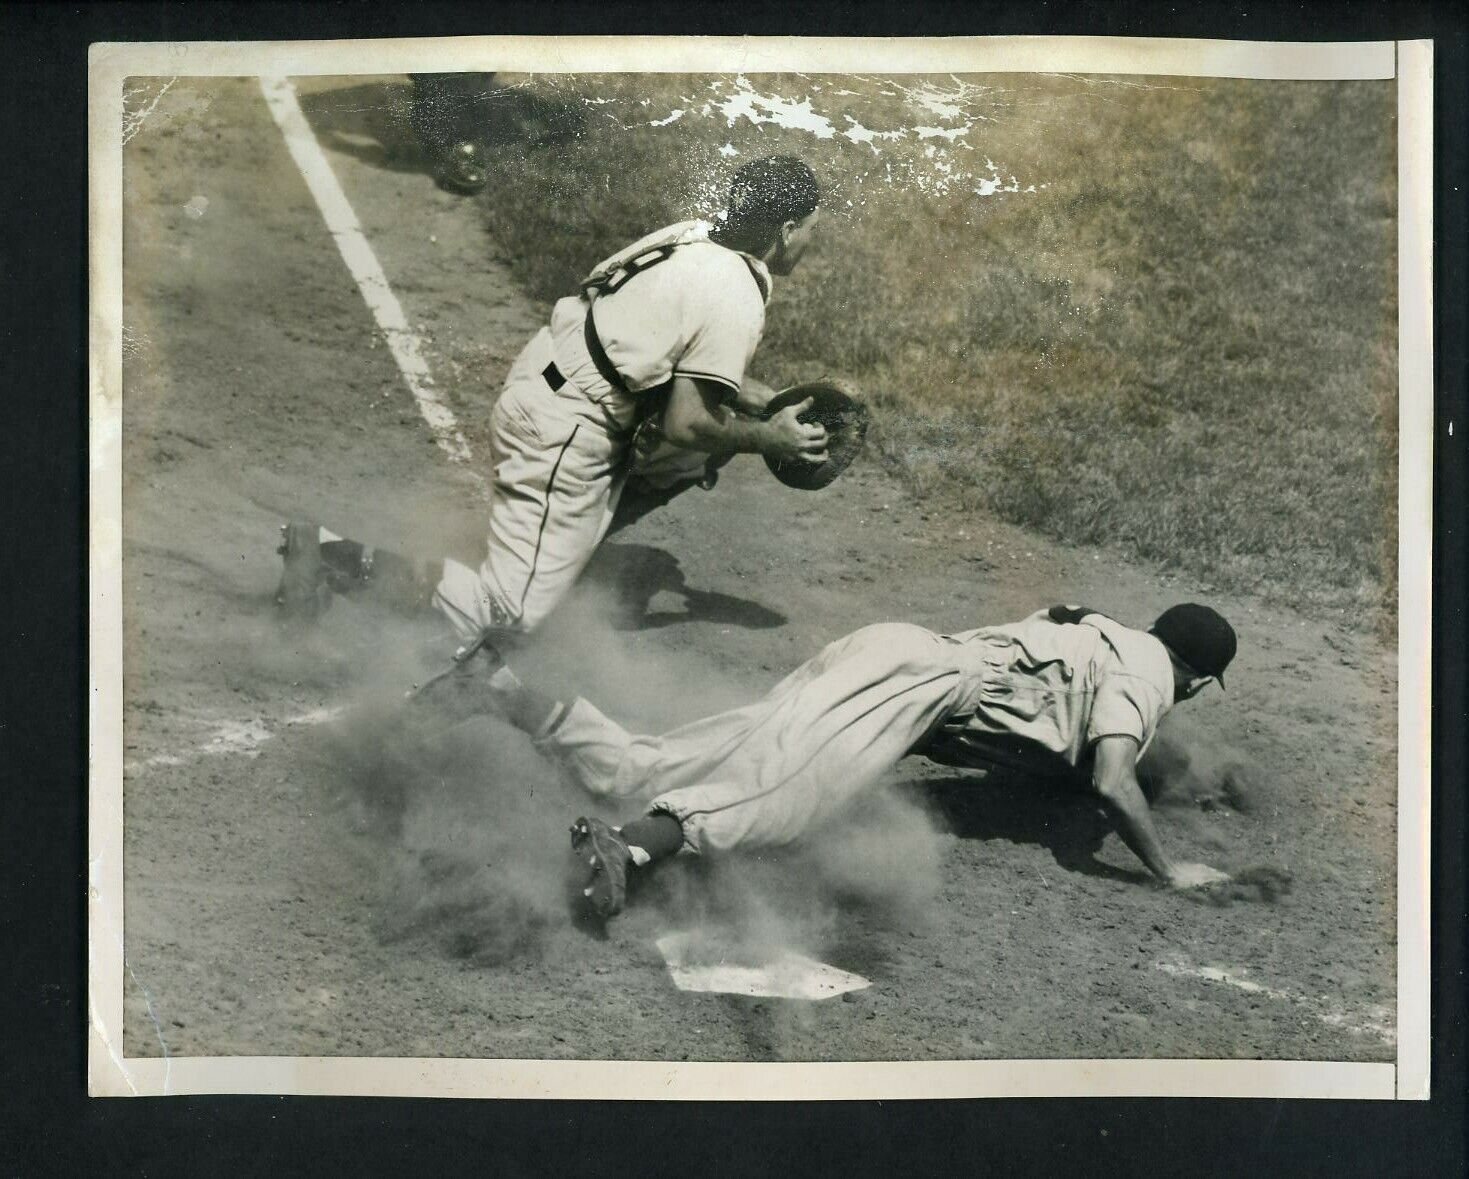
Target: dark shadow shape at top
374 123
370 122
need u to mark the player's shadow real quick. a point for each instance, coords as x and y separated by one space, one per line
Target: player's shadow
369 121
221 583
373 121
637 573
1055 813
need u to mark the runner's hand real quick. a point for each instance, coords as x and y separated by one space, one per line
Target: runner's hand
1195 876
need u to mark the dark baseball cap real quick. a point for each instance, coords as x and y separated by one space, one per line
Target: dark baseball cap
1199 636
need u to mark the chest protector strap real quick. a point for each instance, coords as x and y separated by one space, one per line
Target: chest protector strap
612 276
603 362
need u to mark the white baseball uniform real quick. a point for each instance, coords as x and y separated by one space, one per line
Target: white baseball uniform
764 774
671 304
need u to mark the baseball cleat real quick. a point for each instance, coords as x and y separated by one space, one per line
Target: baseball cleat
607 860
303 591
462 168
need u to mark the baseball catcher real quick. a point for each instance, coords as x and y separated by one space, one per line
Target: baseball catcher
642 372
1066 685
662 470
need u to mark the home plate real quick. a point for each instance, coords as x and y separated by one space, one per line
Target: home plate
698 963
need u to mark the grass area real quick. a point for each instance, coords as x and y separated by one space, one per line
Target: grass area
1160 317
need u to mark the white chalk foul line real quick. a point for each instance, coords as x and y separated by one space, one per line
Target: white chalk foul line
336 210
240 738
1377 1023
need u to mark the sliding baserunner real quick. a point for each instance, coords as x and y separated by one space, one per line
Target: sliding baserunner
643 368
1066 684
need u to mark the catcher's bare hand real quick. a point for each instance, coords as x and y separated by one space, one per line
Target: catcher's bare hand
794 440
1195 876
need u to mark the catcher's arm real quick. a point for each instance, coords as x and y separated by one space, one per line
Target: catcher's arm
697 418
1115 777
753 397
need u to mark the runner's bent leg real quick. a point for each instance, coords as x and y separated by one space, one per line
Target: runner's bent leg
860 707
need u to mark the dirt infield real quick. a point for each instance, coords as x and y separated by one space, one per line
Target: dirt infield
311 868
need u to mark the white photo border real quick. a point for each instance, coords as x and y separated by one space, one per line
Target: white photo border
111 1073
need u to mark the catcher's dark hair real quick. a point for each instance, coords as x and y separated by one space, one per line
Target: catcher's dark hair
763 195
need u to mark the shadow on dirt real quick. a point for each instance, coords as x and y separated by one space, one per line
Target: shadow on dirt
374 122
637 573
1049 813
212 579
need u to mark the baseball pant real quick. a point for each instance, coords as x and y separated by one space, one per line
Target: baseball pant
558 466
762 775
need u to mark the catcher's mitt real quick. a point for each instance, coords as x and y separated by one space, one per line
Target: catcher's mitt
834 406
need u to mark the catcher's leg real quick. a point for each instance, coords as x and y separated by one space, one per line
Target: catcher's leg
317 563
550 503
557 470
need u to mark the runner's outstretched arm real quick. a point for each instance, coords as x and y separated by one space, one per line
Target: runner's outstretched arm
1115 777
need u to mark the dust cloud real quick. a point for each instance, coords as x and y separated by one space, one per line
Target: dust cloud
1188 765
465 822
1194 778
